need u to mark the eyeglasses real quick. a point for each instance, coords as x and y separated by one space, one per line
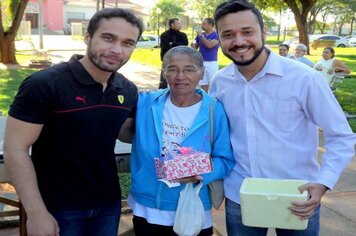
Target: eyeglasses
173 72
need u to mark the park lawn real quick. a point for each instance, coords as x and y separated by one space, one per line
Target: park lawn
10 80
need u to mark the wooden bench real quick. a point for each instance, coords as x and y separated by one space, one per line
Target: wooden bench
12 202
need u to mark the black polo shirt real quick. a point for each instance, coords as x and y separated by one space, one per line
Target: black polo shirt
74 154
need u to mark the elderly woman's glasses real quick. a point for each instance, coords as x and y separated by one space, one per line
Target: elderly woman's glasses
173 71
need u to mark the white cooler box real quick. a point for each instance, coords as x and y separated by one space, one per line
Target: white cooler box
265 202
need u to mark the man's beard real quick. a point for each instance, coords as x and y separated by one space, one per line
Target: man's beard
96 60
250 61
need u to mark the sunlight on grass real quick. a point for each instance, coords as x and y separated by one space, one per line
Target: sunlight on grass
24 58
147 56
10 80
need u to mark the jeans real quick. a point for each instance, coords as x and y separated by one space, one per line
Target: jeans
235 227
102 221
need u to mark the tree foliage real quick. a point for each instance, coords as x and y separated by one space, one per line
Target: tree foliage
11 13
324 9
205 8
165 10
343 11
274 6
268 21
300 9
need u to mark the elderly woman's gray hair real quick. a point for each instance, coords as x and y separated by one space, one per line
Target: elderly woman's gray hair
301 47
185 50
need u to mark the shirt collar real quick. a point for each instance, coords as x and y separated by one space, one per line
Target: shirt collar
273 65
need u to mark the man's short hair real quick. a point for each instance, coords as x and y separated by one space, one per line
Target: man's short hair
210 21
108 13
284 45
172 21
233 6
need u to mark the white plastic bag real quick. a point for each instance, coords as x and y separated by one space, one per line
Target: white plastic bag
190 214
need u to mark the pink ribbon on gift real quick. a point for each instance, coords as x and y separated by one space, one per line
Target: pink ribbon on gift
185 150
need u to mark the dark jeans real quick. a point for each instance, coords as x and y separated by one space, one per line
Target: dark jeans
102 221
143 228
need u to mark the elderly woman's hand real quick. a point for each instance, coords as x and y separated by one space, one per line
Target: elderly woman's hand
193 179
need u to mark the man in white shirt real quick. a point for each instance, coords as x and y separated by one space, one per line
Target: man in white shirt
275 107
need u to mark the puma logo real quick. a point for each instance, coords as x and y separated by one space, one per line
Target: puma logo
80 99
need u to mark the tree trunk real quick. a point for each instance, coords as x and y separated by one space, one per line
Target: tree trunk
340 28
7 49
301 17
7 38
323 28
352 25
279 25
303 30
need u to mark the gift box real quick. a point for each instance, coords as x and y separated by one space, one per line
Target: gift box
183 164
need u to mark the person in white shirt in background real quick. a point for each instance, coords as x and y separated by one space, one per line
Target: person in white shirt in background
328 65
299 52
275 107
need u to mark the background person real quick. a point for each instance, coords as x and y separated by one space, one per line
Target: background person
283 50
71 115
328 65
300 51
170 39
275 107
208 44
166 120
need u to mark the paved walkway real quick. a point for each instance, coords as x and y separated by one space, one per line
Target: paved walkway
338 213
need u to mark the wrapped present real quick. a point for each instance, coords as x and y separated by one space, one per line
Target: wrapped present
184 163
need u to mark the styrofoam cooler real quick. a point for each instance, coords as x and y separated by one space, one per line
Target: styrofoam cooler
265 202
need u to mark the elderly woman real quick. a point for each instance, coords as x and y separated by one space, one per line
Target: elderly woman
178 116
299 52
328 65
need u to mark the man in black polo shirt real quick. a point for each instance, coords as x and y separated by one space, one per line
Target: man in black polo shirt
71 114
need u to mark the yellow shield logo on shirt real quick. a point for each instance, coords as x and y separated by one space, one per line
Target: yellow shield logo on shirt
120 98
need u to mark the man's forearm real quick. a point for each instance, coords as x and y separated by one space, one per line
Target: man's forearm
23 177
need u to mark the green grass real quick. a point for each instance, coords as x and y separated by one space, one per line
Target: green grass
147 56
346 95
125 182
10 80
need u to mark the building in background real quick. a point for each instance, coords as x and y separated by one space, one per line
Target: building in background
59 14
